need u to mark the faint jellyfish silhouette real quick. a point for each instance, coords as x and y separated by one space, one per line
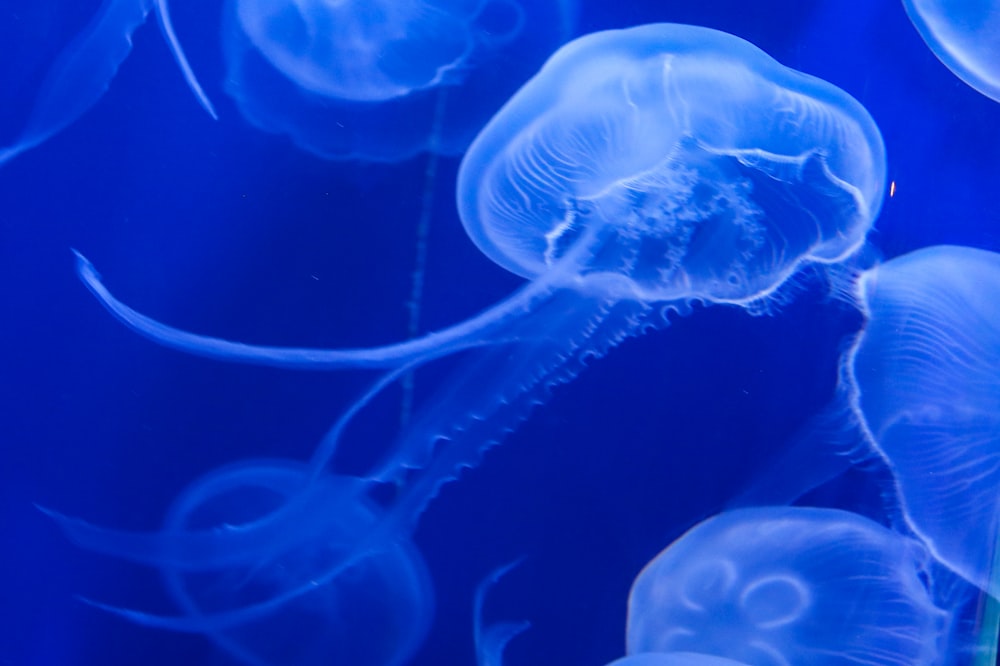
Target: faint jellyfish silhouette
639 171
283 563
923 381
965 36
368 80
778 586
375 613
84 70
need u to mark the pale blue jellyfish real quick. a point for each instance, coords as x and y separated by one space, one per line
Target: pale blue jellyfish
325 72
787 585
281 562
86 67
640 170
924 381
384 79
965 36
491 640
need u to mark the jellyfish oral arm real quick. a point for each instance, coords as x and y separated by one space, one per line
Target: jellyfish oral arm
471 333
167 28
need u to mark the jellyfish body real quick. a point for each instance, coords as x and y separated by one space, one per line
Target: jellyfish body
491 640
384 80
638 171
277 565
84 70
789 586
924 383
965 36
659 165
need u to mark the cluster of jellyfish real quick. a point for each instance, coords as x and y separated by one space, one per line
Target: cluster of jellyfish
638 172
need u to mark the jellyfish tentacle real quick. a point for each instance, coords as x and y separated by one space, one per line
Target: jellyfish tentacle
167 29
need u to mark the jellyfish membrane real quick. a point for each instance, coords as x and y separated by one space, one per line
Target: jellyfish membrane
963 35
84 70
789 585
655 167
922 380
280 568
369 79
280 562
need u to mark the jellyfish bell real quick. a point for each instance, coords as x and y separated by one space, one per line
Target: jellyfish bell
383 81
363 51
964 35
278 565
789 585
84 70
922 381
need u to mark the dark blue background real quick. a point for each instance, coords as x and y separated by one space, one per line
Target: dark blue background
217 227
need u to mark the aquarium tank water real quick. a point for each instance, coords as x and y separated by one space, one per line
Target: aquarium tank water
500 333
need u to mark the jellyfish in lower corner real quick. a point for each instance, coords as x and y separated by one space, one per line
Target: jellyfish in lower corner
344 80
790 585
83 71
965 36
923 379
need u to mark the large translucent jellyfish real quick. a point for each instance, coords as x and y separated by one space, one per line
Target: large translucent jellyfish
924 381
639 171
384 79
965 36
779 586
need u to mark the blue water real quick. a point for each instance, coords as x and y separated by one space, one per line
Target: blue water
220 228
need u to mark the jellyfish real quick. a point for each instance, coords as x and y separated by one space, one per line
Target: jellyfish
964 36
789 585
282 562
922 380
324 73
384 80
639 172
84 70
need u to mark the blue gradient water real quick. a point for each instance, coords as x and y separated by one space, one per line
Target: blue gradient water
219 228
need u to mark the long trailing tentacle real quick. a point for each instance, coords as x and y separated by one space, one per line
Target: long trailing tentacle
167 28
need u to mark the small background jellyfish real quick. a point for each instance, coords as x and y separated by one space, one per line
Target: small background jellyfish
220 227
964 36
